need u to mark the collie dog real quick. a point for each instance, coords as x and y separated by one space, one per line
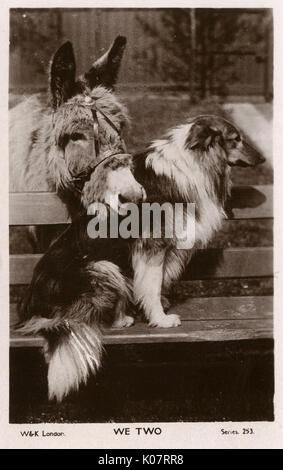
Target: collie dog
190 165
78 284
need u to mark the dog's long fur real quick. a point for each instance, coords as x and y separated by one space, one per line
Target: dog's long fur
190 165
77 285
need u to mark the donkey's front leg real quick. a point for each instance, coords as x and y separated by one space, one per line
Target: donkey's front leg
148 275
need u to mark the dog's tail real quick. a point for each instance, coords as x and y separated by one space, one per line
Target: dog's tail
72 350
73 341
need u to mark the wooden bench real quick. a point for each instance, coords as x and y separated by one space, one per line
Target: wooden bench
211 319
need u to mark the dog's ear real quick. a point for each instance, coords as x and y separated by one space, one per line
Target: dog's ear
62 75
202 136
105 70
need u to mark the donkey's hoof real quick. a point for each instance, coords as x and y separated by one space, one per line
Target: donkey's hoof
124 322
166 321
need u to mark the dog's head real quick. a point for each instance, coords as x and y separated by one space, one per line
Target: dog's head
208 132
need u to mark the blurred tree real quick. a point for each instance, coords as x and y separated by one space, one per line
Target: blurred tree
201 53
34 34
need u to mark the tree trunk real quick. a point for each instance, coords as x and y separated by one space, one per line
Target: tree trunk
193 55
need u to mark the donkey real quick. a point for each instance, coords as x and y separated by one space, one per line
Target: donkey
54 147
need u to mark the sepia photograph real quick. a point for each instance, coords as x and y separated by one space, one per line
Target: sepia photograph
141 215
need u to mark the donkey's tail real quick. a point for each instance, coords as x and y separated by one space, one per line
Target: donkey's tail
72 349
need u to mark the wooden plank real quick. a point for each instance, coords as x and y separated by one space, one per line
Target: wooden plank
252 202
261 331
238 318
39 208
21 268
224 308
192 331
207 264
26 342
36 208
231 263
211 308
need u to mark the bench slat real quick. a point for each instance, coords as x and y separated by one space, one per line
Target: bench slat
211 308
248 202
252 202
208 319
255 330
231 263
207 264
37 209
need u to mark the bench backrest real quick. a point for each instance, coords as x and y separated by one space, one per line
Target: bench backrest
247 202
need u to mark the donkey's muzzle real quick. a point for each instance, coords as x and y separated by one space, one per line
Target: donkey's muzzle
135 195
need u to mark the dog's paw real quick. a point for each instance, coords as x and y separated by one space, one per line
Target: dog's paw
166 321
124 322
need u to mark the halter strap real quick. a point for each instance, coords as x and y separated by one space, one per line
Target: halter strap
107 119
106 158
94 109
86 176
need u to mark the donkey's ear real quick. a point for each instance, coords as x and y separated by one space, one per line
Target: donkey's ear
202 136
62 75
105 70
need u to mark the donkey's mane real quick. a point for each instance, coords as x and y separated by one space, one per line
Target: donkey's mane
77 110
108 102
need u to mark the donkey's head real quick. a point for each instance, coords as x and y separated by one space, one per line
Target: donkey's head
112 183
88 120
104 71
